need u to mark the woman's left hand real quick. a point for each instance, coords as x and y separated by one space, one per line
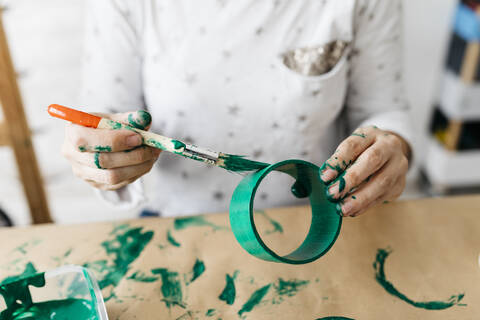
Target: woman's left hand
369 167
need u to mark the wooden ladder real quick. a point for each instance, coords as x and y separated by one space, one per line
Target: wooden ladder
14 132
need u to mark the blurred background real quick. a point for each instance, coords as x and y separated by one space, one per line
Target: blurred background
45 39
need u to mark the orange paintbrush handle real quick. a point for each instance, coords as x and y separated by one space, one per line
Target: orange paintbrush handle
74 116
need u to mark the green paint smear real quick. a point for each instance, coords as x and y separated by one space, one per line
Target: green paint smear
125 247
156 144
277 227
229 292
335 318
178 144
359 135
210 312
139 276
379 264
254 299
172 240
238 163
16 293
197 271
195 221
142 120
97 160
171 288
103 148
82 148
288 288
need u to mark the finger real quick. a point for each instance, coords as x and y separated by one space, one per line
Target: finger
369 162
140 119
386 183
102 140
347 152
110 160
111 176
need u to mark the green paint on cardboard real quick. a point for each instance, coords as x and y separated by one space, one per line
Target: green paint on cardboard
287 288
124 248
362 135
254 299
97 160
210 312
139 276
172 240
335 318
103 148
195 221
171 288
229 292
197 271
379 266
277 227
178 144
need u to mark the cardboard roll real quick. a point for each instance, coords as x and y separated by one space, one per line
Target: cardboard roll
325 223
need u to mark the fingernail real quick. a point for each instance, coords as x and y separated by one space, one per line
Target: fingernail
328 175
333 190
133 141
347 208
338 208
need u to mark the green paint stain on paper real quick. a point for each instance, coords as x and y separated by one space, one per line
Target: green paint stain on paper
288 288
198 270
103 148
379 266
195 221
178 144
229 292
171 288
277 227
172 240
139 276
254 299
210 312
125 247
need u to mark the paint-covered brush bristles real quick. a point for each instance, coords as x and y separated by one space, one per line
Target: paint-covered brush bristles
238 163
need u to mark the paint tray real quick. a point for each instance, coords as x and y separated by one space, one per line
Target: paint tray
69 292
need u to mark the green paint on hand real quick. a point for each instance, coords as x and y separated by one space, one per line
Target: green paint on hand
172 240
139 276
359 135
142 120
125 247
171 288
385 202
287 288
353 197
97 160
178 144
82 148
210 312
103 148
254 299
277 227
195 221
379 265
229 291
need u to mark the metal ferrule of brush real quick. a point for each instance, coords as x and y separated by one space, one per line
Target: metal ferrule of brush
205 155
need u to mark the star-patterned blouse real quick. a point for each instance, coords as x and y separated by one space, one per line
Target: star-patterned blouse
214 73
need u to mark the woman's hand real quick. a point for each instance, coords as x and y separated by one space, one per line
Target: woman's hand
369 167
110 159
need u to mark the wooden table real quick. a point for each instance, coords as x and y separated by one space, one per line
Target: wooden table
187 268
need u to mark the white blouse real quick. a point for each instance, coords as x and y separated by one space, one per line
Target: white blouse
212 73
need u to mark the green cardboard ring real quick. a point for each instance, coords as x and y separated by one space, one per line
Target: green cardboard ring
325 225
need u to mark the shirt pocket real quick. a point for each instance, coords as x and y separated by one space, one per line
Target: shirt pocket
317 98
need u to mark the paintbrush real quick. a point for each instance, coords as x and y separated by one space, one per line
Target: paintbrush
227 161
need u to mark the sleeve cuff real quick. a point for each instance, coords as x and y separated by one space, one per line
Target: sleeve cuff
126 198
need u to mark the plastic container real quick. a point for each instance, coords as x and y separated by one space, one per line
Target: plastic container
69 292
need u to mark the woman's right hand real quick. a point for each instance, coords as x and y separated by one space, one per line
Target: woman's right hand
110 159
